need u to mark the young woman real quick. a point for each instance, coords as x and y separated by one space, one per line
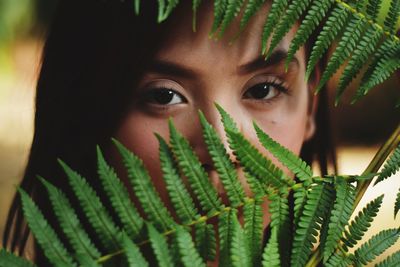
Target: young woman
109 73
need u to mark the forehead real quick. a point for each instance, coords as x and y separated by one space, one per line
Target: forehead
182 43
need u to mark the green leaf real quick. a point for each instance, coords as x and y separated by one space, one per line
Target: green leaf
193 170
362 222
225 229
331 29
137 6
219 12
295 164
343 50
256 185
169 8
253 228
190 256
94 210
373 7
179 195
133 254
44 234
232 10
392 17
391 166
300 197
70 223
240 254
376 245
316 13
271 257
340 260
119 197
161 10
160 247
195 7
8 259
293 13
315 208
222 163
391 261
144 189
251 8
205 241
340 215
277 9
397 204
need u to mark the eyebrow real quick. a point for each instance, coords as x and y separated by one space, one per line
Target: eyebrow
178 70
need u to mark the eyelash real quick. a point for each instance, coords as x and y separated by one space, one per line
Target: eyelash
279 85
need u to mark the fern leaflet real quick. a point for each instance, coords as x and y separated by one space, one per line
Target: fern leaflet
160 247
252 7
376 245
240 254
94 210
271 257
219 12
392 165
191 167
69 222
253 228
8 259
190 256
149 199
391 261
132 252
44 234
373 7
119 197
205 241
225 229
397 204
232 10
392 17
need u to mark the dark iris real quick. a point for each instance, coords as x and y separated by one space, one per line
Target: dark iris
259 91
163 96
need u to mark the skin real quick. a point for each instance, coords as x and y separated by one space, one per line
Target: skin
200 72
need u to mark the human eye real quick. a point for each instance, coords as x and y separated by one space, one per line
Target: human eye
266 90
163 97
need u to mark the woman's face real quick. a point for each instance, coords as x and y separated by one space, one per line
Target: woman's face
193 72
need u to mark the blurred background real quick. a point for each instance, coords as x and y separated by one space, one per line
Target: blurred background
359 129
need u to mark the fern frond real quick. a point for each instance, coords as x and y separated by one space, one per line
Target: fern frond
344 49
195 7
364 49
362 222
279 209
391 166
132 253
318 199
225 229
94 210
160 247
44 234
300 197
340 260
254 162
226 119
376 245
205 241
378 69
316 12
397 204
373 7
251 8
179 195
253 224
331 29
119 197
219 13
271 257
170 7
256 186
189 255
161 10
144 189
391 261
137 7
392 17
277 9
225 168
240 254
293 13
193 170
70 223
8 259
295 164
232 10
340 215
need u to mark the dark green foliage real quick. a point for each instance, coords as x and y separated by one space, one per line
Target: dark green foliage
160 247
253 228
95 211
251 8
240 254
392 17
362 222
397 204
8 259
391 166
340 260
271 257
373 7
144 189
44 234
232 10
206 243
376 245
391 261
225 228
133 254
190 256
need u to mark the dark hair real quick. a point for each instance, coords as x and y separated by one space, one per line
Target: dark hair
94 54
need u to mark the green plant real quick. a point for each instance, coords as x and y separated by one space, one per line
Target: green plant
321 205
